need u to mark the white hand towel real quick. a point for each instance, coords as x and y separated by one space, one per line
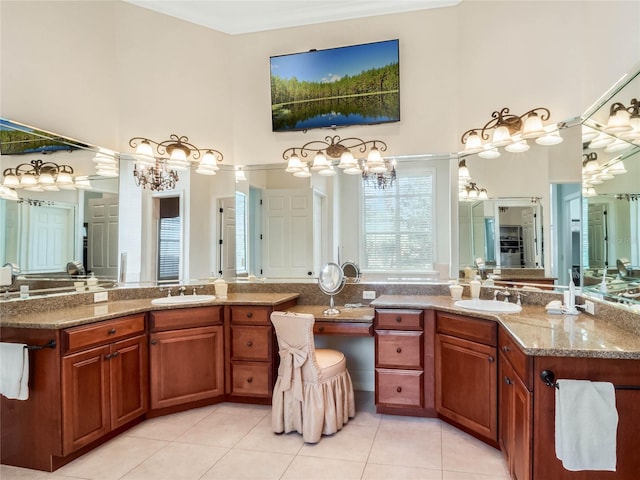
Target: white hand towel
14 371
586 425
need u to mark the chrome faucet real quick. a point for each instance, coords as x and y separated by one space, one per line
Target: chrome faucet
182 289
504 292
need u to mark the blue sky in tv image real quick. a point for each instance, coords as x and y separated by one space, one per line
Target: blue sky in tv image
332 64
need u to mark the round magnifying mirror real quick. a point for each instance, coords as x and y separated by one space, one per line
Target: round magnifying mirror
331 281
351 272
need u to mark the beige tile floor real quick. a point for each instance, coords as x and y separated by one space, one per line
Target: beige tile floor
234 441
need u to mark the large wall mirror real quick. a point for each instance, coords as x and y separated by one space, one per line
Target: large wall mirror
55 211
611 196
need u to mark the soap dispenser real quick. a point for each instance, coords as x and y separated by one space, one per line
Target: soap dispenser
474 286
92 282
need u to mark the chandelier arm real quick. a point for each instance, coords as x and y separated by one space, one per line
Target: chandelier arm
215 153
545 114
466 134
634 109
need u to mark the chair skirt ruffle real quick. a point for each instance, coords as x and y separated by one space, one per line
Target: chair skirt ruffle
326 407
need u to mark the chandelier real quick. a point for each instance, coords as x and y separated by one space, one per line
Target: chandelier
157 163
336 152
510 131
39 176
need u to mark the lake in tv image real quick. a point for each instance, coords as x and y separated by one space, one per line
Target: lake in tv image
354 85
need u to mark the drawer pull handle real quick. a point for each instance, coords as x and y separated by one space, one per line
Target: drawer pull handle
112 331
108 356
249 314
507 380
154 342
398 389
506 349
398 319
250 379
491 359
398 350
115 354
249 343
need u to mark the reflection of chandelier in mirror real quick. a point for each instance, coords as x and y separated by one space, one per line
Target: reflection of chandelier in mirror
39 176
510 131
157 177
374 169
159 167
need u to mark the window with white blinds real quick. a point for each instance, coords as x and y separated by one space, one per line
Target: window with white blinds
169 239
398 229
241 233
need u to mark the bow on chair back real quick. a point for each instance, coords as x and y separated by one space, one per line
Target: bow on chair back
291 361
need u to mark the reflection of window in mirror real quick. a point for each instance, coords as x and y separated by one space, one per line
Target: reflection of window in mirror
241 233
398 230
169 239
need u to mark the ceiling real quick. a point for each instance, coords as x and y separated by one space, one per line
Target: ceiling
246 16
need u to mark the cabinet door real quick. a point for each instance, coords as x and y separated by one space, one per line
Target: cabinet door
515 422
466 388
186 365
85 398
128 368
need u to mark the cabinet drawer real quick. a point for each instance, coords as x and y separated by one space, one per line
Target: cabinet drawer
251 379
78 338
399 387
250 315
474 329
251 342
185 318
396 319
521 363
399 349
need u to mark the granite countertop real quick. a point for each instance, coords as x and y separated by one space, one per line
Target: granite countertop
347 314
539 333
85 314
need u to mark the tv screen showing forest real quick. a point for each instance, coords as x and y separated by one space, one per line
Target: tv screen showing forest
354 85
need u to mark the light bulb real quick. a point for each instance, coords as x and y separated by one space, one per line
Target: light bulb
347 160
473 143
517 147
532 126
319 162
489 153
501 136
294 164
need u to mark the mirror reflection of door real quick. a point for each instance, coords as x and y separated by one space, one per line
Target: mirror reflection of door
520 232
597 234
102 238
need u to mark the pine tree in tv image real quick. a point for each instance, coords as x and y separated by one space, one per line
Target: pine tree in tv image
355 85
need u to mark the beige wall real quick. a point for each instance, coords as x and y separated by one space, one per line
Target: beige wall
106 71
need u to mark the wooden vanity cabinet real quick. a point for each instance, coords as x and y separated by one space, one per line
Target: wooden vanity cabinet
403 362
466 373
186 357
515 402
252 351
104 379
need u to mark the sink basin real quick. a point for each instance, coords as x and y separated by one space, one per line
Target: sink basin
182 299
494 306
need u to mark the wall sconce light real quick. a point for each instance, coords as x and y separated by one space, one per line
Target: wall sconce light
39 176
240 175
164 158
510 131
335 152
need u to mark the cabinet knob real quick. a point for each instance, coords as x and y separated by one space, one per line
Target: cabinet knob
115 354
506 349
507 380
398 389
249 314
250 379
398 319
321 329
107 356
112 331
153 342
249 343
398 350
491 359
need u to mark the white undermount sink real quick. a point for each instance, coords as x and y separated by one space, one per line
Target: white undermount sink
494 306
182 299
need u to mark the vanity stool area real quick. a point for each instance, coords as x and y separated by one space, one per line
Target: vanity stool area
103 369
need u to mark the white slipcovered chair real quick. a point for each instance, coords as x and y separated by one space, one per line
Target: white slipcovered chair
313 394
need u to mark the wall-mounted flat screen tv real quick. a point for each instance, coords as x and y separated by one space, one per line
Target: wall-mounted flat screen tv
354 85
